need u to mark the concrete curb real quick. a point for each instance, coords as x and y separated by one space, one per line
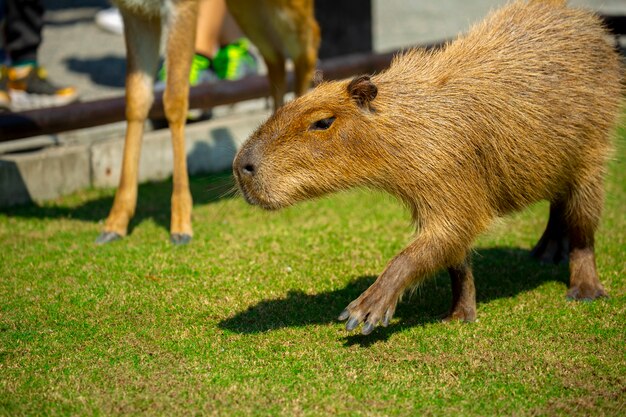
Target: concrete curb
52 172
43 175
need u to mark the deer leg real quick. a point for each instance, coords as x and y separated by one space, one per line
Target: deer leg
277 78
142 38
304 67
179 51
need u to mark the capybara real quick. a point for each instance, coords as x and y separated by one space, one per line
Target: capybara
281 29
520 109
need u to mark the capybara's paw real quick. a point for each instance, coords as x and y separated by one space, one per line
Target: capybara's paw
372 307
467 314
586 292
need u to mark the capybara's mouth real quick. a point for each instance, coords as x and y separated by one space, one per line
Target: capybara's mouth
253 199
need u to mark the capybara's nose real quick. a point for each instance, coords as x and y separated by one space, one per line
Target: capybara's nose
244 164
248 169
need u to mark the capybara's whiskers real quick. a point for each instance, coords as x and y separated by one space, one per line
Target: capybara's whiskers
232 191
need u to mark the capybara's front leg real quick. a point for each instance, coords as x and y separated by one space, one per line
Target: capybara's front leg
378 303
463 293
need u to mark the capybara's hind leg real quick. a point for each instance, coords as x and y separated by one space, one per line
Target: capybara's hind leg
554 243
463 293
583 213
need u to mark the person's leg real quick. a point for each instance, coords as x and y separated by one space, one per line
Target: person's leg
211 15
28 81
233 59
230 30
24 21
5 100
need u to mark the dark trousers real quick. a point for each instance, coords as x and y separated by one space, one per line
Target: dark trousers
24 20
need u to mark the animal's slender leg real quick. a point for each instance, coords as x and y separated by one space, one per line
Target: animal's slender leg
142 38
304 67
179 50
277 78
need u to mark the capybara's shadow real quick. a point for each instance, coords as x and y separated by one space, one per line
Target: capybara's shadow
499 272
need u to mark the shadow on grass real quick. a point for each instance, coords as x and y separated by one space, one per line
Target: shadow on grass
499 272
153 202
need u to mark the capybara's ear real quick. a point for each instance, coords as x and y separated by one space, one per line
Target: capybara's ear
362 90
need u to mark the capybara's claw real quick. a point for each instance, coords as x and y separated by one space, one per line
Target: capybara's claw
180 238
367 328
106 237
352 324
371 308
387 318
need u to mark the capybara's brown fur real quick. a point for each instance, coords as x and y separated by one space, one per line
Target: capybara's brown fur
520 109
281 29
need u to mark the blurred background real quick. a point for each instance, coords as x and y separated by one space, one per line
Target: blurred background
58 151
77 52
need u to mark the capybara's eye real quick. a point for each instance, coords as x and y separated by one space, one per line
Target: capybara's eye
322 124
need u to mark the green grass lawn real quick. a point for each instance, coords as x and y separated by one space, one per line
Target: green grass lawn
243 320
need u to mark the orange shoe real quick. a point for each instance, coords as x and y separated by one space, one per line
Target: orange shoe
30 88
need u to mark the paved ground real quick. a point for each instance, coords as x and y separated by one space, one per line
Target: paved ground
77 52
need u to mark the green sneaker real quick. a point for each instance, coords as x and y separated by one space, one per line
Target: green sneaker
200 72
234 61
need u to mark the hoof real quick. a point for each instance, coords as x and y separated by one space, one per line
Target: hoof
180 238
106 237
